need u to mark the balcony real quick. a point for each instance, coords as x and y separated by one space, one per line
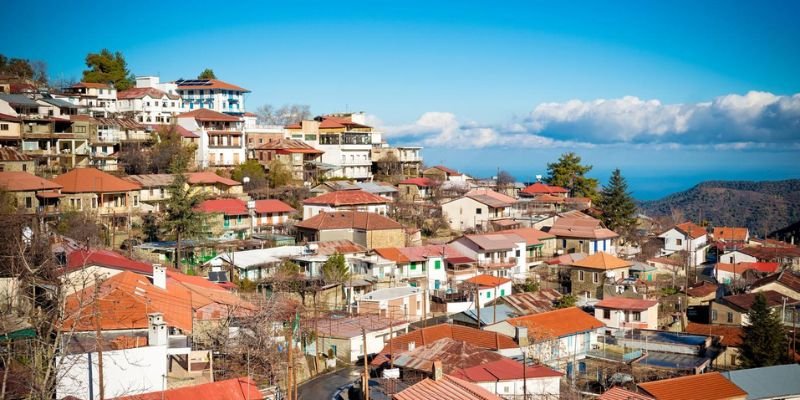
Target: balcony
498 263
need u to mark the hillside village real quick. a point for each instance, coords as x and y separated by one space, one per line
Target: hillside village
165 241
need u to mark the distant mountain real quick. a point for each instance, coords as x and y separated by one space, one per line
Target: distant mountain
763 206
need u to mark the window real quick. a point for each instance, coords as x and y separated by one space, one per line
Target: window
595 277
24 167
94 202
3 127
606 314
713 315
517 253
413 266
29 202
637 316
730 317
136 201
580 276
437 264
679 242
478 211
488 295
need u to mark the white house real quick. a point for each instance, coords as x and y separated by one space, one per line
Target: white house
421 266
686 237
499 254
476 209
506 378
148 105
627 313
737 256
97 99
342 336
211 94
221 141
490 288
345 200
556 338
406 302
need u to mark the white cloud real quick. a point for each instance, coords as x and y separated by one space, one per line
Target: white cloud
756 119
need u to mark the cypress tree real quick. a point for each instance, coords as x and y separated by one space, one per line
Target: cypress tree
764 340
616 202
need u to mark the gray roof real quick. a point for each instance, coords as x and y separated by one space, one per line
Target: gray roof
59 103
18 99
504 312
767 382
391 293
376 188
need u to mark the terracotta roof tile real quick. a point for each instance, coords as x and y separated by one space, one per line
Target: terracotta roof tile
584 227
90 180
18 181
704 289
691 229
618 393
785 278
557 323
745 300
349 220
229 389
624 303
141 92
346 198
393 254
205 114
730 233
503 370
452 353
289 146
423 182
603 261
209 84
105 258
488 281
532 236
709 386
730 335
239 207
739 268
91 85
210 177
446 388
543 188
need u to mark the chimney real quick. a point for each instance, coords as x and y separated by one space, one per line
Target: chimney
156 330
437 370
521 335
159 276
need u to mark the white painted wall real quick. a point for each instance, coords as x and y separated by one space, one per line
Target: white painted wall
733 257
310 210
537 387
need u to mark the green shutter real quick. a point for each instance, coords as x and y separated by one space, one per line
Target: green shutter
437 264
502 292
413 265
488 295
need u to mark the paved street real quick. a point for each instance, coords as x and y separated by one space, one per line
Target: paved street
323 387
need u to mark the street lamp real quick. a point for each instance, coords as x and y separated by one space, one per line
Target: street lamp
245 181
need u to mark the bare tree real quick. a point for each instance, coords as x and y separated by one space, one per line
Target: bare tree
284 115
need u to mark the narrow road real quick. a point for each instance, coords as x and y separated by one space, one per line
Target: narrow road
323 387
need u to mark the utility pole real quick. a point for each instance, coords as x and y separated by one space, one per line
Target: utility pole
494 309
391 339
366 363
289 368
524 375
478 304
99 339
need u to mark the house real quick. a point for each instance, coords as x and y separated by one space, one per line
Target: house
342 336
154 189
476 209
228 389
582 234
10 127
492 314
11 160
214 185
733 309
686 237
95 99
729 274
730 340
299 157
494 341
708 386
444 387
441 173
148 105
669 267
221 142
618 393
109 136
555 338
346 142
526 303
539 246
768 383
731 234
589 274
625 313
490 287
31 193
422 266
254 265
452 354
347 200
406 302
702 293
415 189
407 159
499 254
211 94
506 377
383 189
786 283
364 228
789 256
111 198
237 218
539 189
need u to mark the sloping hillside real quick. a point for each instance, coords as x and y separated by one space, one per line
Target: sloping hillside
763 206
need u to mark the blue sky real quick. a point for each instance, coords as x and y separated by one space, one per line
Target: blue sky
710 85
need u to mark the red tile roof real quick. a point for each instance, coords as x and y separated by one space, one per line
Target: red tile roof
603 261
421 337
452 353
730 233
210 177
105 258
205 114
12 154
422 253
422 182
185 132
239 207
504 370
141 92
91 85
288 146
212 84
691 229
532 236
90 180
745 300
557 323
709 386
448 171
349 220
446 388
10 118
771 253
18 181
393 254
730 335
739 268
584 227
704 289
346 198
229 389
488 281
618 393
785 278
624 303
543 188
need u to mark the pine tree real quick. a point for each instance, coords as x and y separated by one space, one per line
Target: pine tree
335 270
764 340
181 219
105 67
619 209
207 73
568 172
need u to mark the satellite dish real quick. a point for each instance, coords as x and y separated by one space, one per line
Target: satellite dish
538 178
